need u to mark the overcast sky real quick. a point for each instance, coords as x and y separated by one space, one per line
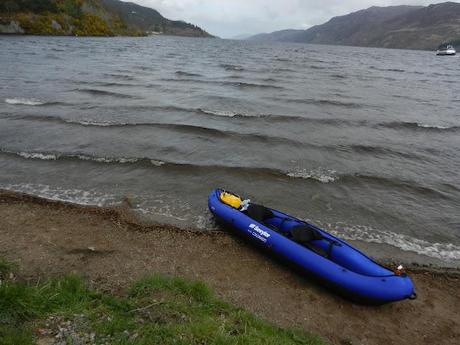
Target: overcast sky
230 18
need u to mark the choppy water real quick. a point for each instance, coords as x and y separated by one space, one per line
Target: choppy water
364 142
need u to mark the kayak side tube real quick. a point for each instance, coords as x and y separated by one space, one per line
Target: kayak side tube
359 287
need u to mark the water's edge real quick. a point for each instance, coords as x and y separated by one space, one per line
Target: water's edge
385 254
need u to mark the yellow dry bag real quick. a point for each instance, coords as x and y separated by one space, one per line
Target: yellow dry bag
230 199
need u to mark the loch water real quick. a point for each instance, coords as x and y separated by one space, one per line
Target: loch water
363 142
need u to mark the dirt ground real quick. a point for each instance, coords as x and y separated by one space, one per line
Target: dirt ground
111 249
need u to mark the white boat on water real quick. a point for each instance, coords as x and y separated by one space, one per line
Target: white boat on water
447 50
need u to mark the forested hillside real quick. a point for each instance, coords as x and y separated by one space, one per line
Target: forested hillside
87 18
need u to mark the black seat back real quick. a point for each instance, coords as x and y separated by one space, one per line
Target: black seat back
304 234
259 213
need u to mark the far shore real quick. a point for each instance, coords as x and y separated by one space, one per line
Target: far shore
101 36
110 248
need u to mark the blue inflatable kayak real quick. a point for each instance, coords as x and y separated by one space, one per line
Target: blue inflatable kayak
327 258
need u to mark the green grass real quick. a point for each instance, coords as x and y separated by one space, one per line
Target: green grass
156 310
5 268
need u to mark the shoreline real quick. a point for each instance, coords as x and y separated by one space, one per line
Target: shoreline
6 34
123 213
110 248
383 252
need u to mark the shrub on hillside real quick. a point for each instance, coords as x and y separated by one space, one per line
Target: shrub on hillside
92 25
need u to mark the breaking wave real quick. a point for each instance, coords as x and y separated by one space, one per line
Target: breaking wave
320 174
72 195
282 118
205 112
325 175
49 156
180 127
25 101
242 115
196 129
418 126
443 251
221 113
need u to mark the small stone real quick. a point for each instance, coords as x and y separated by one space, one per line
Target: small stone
45 341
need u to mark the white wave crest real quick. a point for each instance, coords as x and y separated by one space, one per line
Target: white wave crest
219 113
37 155
72 195
95 123
121 160
423 125
157 163
321 175
24 101
443 251
56 156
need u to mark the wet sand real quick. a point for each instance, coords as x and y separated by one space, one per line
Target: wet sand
111 249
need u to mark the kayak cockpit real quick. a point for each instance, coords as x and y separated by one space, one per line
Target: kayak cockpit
316 240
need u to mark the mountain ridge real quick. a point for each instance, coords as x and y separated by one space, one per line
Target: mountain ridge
408 27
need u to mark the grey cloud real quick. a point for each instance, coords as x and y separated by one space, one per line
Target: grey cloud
229 18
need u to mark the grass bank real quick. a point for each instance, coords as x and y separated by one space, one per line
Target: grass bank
156 310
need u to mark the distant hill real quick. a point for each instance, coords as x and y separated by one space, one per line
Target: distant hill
241 37
407 27
150 20
288 35
88 18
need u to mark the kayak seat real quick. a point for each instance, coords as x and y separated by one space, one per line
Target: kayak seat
262 214
259 213
305 236
301 233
